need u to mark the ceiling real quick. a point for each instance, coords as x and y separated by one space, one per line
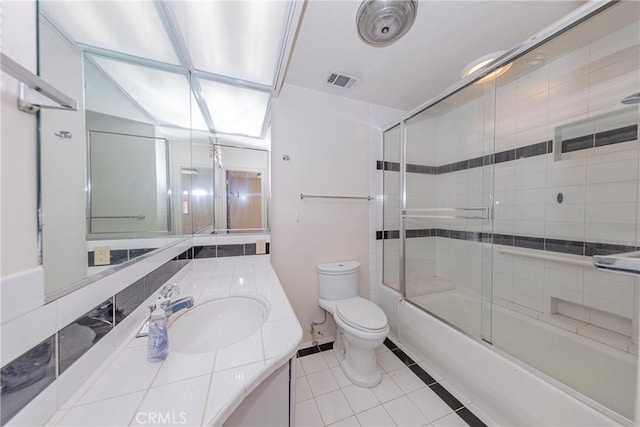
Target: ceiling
446 36
216 65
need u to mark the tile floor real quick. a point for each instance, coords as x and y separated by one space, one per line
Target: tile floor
325 397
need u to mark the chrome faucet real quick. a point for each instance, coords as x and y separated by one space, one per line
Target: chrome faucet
170 307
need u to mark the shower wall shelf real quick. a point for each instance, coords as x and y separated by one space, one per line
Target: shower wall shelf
33 92
543 256
309 196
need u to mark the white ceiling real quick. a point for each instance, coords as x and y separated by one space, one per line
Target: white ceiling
446 36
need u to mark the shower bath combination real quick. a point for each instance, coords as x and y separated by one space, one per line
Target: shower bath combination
521 280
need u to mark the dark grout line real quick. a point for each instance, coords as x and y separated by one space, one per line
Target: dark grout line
315 349
470 418
448 398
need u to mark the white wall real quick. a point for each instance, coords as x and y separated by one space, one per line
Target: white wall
18 145
329 140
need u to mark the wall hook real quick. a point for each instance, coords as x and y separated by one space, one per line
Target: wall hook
64 134
286 157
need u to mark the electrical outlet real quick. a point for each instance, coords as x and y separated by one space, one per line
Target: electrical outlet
261 247
101 255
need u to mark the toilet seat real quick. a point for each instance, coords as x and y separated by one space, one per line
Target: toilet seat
362 314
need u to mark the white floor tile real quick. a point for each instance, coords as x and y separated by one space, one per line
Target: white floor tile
314 363
406 380
322 382
360 399
339 375
375 417
299 369
429 404
307 414
117 411
389 362
387 389
330 358
347 422
333 407
303 391
404 412
451 420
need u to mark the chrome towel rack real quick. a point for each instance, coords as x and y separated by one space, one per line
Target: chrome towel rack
309 196
33 92
119 217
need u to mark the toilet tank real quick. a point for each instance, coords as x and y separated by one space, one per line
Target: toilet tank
338 280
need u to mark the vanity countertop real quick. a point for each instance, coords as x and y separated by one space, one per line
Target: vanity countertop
192 389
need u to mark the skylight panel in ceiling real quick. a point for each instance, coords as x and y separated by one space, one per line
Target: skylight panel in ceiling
235 110
238 39
130 27
164 95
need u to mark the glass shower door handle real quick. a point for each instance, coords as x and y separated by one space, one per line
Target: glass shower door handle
482 212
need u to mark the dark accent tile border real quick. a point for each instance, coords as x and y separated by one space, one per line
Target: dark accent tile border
26 376
315 349
530 242
429 381
436 387
470 418
78 337
576 144
613 136
218 251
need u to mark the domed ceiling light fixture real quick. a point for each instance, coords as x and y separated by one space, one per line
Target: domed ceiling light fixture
483 61
382 22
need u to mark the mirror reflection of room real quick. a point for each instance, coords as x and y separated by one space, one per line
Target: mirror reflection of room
142 166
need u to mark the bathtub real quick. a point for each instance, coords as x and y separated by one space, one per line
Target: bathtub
495 378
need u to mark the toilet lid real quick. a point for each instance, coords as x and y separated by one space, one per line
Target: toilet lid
362 314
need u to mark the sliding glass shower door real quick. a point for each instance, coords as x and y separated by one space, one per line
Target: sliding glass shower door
445 214
498 195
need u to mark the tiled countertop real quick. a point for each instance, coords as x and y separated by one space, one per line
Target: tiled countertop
192 389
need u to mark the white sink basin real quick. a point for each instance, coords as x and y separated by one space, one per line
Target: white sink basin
217 323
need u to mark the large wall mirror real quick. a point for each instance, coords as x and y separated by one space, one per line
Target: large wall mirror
138 167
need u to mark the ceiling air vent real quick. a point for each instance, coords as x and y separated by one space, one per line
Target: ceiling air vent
342 80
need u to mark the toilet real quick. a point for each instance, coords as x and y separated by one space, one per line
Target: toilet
362 325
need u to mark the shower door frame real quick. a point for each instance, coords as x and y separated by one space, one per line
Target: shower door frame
573 19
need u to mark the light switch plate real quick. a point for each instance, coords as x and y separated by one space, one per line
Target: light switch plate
101 255
261 247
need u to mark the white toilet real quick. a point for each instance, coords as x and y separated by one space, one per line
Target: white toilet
362 325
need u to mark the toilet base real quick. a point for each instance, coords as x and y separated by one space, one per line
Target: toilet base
361 367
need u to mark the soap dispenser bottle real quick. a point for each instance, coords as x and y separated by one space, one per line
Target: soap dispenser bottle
158 342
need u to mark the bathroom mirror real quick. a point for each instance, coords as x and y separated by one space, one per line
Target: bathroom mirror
118 179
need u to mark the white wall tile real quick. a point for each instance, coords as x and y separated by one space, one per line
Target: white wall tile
22 333
21 293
